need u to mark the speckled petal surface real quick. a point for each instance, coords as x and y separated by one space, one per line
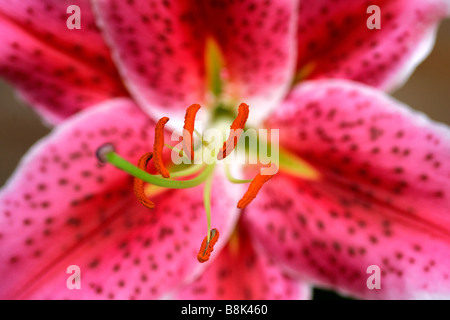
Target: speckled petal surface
56 70
258 43
159 49
381 198
243 272
62 208
335 41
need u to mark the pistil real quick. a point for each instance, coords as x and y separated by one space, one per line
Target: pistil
208 246
106 154
207 203
203 172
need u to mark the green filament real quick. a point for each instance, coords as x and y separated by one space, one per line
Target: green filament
207 202
188 171
128 167
231 178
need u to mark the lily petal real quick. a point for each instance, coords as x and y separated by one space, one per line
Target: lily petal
335 41
243 272
381 199
159 49
61 208
258 43
56 70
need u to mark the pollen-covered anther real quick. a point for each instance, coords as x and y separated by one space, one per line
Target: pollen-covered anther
189 121
103 151
158 148
207 246
236 130
253 189
139 184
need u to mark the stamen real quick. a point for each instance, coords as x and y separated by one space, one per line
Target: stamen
236 130
158 147
207 246
253 189
122 164
189 120
139 184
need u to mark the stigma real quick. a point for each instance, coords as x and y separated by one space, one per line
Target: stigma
207 246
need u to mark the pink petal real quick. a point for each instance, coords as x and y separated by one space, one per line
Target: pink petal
242 272
382 198
258 41
159 49
56 70
61 208
335 41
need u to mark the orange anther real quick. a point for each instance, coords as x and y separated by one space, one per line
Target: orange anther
189 120
236 130
253 189
208 247
158 147
139 184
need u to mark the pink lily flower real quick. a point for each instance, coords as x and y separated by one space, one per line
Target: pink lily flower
365 184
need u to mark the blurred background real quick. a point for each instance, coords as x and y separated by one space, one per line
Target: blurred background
428 90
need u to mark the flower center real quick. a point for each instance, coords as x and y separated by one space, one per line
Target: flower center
199 169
